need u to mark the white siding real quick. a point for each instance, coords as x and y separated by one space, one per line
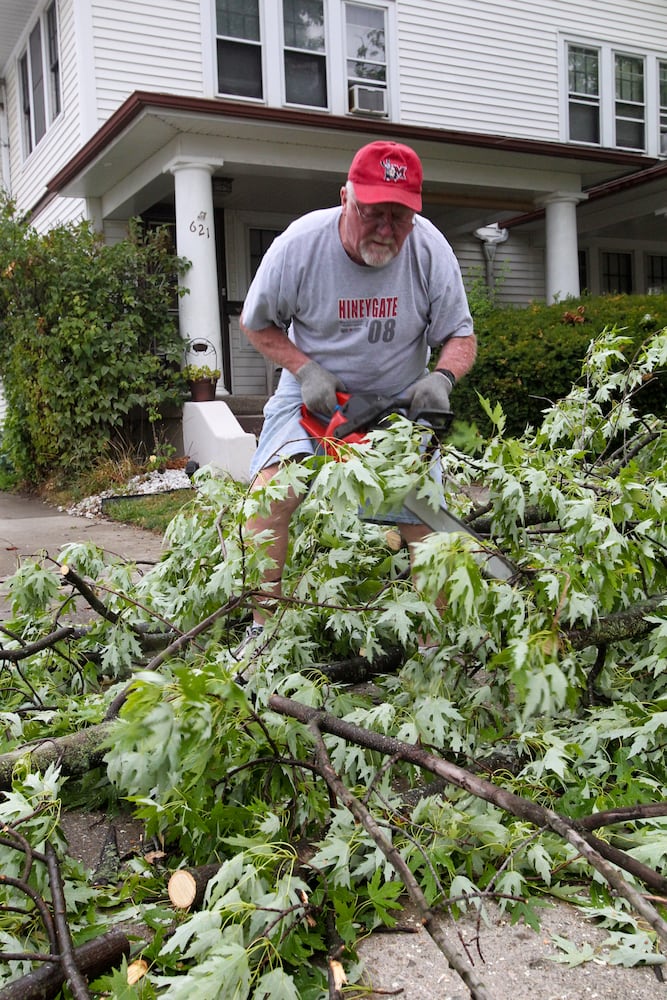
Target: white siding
519 268
146 46
492 66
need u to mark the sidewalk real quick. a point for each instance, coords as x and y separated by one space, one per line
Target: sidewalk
29 527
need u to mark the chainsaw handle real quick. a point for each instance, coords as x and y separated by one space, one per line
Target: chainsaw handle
357 413
438 420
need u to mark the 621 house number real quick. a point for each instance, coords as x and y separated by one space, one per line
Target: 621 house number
200 229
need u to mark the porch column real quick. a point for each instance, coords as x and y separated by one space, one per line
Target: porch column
198 309
562 257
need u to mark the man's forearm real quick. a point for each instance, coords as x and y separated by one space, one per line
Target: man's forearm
275 345
458 355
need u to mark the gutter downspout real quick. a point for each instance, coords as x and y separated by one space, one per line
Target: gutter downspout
491 236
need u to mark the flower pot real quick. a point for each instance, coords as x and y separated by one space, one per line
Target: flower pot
202 390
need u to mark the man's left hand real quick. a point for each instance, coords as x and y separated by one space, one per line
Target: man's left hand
430 393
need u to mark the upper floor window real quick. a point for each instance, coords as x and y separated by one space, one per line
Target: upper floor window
324 54
613 98
630 109
239 48
305 53
39 79
584 93
366 57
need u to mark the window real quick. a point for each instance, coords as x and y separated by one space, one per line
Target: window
615 98
260 240
630 108
656 274
366 57
616 275
584 94
331 55
582 260
305 53
662 70
239 48
39 79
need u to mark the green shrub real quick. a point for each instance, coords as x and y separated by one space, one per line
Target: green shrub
86 340
529 357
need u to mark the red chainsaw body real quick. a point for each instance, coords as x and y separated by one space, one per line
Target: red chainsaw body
324 431
357 413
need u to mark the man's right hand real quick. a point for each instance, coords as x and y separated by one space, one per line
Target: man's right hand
318 388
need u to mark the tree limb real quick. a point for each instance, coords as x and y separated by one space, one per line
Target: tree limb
628 624
477 988
75 978
508 801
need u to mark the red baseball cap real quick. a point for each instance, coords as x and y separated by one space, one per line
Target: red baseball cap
387 171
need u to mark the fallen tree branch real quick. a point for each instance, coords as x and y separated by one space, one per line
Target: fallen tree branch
508 801
92 958
467 973
76 753
58 635
75 978
174 647
70 575
628 624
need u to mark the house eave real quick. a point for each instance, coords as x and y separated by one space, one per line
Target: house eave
173 111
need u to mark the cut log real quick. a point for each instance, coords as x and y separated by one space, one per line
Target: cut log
92 959
187 886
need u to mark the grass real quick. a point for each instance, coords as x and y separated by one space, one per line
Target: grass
152 512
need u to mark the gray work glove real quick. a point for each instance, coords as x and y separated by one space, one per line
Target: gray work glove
318 388
431 393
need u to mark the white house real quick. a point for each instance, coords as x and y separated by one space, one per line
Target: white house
542 126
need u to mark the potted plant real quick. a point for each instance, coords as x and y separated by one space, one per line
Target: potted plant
202 381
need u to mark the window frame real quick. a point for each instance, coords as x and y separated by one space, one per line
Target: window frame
651 277
251 43
662 106
39 97
627 118
606 256
654 120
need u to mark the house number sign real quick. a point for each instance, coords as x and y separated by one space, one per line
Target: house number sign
199 226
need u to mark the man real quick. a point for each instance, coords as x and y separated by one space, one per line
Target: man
355 298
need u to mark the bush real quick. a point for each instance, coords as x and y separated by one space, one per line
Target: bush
529 357
86 339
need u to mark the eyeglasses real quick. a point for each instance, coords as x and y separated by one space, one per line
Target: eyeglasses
398 219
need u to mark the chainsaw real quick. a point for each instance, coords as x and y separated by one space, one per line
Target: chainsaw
355 415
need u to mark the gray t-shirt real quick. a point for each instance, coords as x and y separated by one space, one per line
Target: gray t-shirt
373 327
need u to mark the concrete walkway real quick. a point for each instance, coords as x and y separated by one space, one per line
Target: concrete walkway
30 527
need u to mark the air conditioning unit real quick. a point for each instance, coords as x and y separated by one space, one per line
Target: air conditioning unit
368 101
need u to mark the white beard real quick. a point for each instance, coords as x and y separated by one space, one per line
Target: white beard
377 255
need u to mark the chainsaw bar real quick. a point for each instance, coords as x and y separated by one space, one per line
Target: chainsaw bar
496 564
